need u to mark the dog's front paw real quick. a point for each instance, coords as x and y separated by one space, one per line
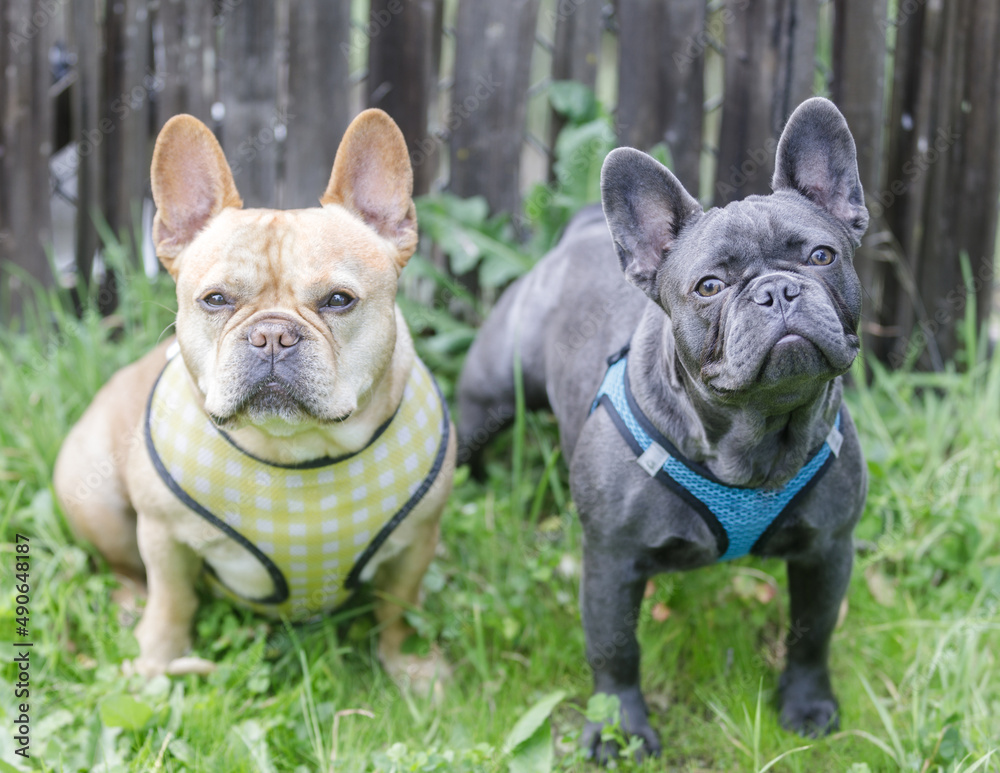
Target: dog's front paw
808 705
423 675
634 724
151 667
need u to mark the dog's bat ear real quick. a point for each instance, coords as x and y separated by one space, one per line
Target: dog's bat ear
191 182
372 178
816 157
646 208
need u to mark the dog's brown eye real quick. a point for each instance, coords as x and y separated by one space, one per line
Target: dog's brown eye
215 299
709 286
821 256
339 300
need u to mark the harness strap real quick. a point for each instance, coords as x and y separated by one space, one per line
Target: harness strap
281 592
741 519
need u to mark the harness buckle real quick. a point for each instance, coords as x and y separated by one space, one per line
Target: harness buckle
653 458
835 440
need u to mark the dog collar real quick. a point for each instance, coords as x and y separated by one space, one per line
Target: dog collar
742 519
312 526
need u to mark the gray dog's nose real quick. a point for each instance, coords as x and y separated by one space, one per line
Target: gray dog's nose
273 339
776 288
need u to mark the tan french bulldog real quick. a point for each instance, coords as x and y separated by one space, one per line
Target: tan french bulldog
290 444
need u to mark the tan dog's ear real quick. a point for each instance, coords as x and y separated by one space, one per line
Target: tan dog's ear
192 183
372 178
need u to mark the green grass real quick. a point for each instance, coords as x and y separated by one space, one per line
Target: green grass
915 660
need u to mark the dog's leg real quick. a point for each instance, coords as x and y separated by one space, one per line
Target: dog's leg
87 481
486 394
164 632
397 587
817 588
611 600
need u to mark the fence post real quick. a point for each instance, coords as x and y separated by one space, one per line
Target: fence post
402 75
185 59
128 91
975 206
250 94
319 103
661 80
943 155
169 59
87 133
859 54
576 50
25 146
769 70
489 99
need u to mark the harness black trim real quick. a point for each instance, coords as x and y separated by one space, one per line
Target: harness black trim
789 509
703 510
313 464
280 584
354 576
281 592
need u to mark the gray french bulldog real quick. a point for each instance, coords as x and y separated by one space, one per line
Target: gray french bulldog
699 402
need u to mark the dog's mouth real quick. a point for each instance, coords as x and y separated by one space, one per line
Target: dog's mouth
270 397
792 359
797 357
273 397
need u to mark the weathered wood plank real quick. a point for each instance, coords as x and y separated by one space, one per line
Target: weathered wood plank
661 80
770 50
184 59
319 107
943 167
576 50
87 132
495 42
858 89
199 63
979 183
25 146
169 59
402 75
249 85
129 88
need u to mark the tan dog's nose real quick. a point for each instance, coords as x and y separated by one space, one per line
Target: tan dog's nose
273 339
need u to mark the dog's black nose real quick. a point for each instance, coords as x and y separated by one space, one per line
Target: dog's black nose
776 288
273 339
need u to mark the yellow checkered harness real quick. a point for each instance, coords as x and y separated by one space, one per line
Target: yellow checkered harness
313 526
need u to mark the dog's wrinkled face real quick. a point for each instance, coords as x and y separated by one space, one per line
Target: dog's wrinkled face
285 317
762 295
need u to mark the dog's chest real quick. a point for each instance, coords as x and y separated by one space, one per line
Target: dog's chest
292 540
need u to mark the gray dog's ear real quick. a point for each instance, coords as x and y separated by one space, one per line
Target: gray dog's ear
646 207
816 157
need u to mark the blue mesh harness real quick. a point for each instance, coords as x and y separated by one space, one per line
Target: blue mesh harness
741 519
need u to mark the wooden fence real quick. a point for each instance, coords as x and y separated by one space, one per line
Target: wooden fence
919 81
